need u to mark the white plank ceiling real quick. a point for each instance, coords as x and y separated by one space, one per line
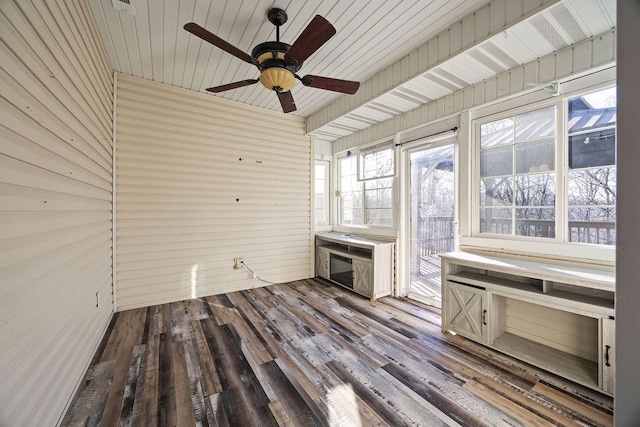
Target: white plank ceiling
562 24
151 43
371 35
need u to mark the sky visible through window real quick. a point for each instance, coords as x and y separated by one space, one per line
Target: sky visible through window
602 99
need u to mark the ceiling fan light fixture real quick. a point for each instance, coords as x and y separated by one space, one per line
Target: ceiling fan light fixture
274 73
278 79
278 62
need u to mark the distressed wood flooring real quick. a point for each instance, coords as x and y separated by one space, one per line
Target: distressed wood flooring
425 283
310 353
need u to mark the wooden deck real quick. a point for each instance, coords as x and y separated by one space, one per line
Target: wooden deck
426 286
311 353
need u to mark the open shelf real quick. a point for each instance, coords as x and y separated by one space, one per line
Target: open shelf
602 303
575 368
483 280
352 252
582 276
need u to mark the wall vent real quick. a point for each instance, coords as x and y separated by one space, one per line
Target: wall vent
124 6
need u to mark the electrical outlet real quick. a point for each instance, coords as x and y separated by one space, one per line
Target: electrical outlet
237 263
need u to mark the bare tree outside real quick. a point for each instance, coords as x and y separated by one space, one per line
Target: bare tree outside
517 169
366 196
377 171
591 181
518 181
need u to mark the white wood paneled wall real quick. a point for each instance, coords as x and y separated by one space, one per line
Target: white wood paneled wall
323 148
200 181
594 53
55 204
139 44
459 37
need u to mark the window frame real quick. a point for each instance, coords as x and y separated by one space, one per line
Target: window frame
559 246
476 170
373 149
327 188
382 230
567 169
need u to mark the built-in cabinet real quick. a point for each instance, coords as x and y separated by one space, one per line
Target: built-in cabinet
467 311
559 317
322 262
357 263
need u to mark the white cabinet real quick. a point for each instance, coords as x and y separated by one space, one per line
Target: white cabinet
466 311
360 264
362 280
559 317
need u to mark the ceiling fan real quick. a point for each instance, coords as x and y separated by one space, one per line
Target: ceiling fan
278 62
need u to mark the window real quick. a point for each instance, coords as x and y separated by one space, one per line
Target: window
351 202
517 175
591 177
523 191
376 162
365 184
322 168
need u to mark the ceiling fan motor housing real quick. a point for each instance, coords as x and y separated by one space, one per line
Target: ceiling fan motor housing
275 73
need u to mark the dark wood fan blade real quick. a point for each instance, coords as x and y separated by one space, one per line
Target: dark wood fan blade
287 102
317 33
235 85
205 35
327 83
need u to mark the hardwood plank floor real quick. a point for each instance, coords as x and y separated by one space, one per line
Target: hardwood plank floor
310 353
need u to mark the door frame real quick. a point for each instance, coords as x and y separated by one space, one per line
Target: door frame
404 229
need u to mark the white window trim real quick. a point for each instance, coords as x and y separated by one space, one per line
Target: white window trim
557 247
374 148
475 156
371 230
327 187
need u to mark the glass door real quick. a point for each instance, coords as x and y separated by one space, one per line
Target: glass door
431 218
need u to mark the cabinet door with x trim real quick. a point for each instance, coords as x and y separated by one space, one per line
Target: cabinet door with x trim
362 280
466 311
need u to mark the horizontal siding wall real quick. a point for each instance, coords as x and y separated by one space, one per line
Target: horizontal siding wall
200 181
55 205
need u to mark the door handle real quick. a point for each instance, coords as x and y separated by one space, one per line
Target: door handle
606 355
484 317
